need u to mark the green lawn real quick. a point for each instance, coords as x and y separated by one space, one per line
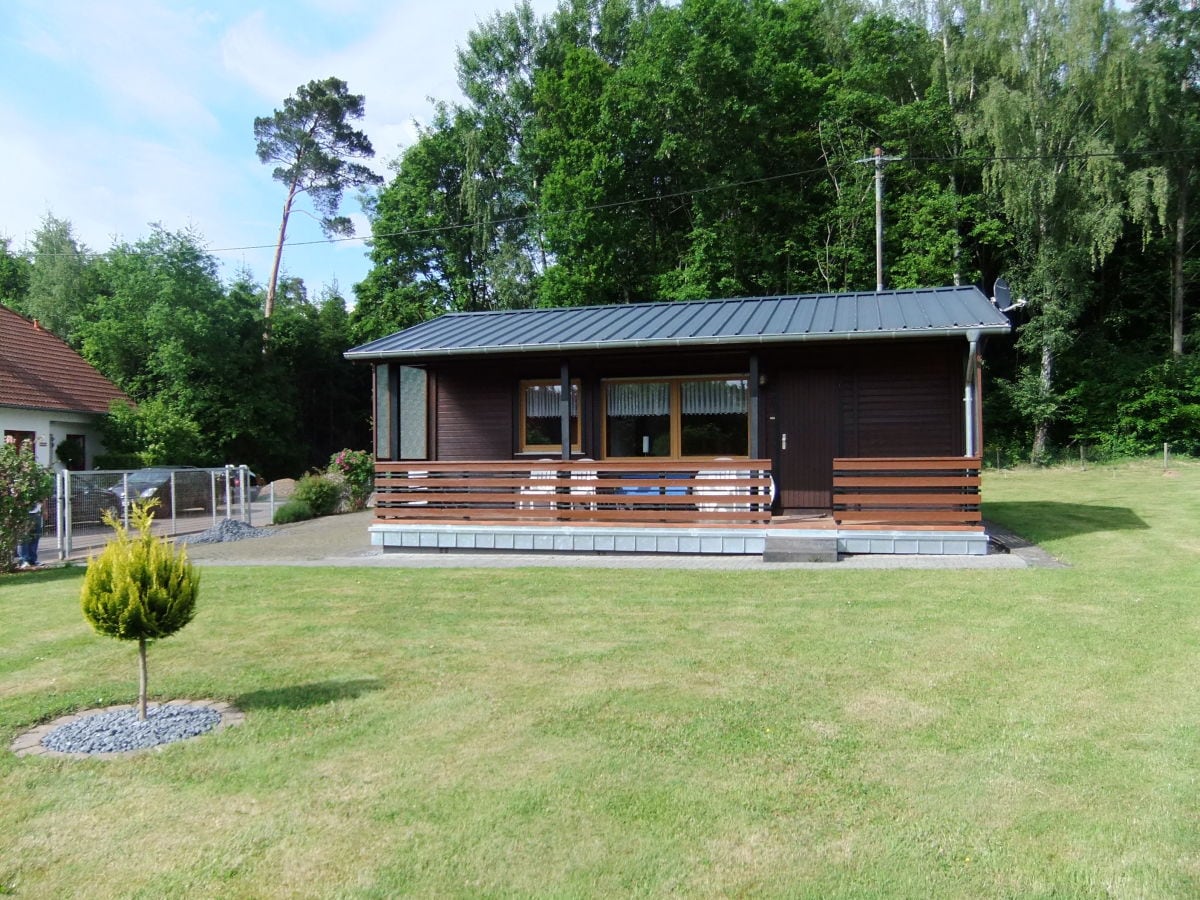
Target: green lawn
814 733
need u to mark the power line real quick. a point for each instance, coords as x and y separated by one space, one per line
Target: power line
692 192
614 204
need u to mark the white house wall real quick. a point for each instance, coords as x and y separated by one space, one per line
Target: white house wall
50 429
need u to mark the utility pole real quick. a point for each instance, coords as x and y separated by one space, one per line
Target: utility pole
880 161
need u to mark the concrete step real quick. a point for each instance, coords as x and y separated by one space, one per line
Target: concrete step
799 549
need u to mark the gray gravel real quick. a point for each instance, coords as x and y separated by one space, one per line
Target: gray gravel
120 731
225 531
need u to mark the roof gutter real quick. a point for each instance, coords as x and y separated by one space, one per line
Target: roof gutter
653 344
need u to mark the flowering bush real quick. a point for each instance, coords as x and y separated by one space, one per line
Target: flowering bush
23 482
356 469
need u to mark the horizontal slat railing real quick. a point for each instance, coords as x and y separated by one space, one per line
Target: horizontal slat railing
906 492
733 492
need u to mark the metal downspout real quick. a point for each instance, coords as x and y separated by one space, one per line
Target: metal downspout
969 398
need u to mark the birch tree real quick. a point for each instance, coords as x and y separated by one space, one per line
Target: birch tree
1050 122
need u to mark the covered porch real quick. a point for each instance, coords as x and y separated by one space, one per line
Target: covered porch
902 505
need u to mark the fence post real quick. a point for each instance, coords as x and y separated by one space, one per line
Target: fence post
61 503
246 508
125 497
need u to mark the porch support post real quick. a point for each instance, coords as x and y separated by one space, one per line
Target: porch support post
564 409
755 418
970 399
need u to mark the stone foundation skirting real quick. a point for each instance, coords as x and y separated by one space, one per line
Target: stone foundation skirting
415 536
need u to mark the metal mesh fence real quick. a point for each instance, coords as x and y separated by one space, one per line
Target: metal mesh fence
188 500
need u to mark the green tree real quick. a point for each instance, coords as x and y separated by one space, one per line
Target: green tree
23 482
153 433
165 330
1170 41
329 396
311 142
1051 121
14 276
139 589
61 280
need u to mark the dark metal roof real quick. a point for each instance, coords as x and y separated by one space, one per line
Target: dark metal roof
932 312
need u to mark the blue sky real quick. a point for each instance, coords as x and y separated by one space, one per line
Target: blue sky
120 113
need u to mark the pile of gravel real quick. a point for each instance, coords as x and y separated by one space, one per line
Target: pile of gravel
226 530
120 731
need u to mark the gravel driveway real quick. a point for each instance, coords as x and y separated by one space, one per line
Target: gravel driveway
343 537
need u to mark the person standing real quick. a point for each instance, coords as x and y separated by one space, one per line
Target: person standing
27 549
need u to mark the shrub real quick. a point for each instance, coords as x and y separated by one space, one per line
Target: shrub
293 511
139 589
22 483
319 492
356 468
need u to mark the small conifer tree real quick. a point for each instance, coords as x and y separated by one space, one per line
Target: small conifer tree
139 588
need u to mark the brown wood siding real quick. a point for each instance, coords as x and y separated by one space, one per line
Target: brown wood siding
474 415
905 403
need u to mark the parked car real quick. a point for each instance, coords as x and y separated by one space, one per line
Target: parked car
253 485
193 488
89 502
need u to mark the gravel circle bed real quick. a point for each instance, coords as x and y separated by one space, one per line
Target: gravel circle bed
122 730
116 730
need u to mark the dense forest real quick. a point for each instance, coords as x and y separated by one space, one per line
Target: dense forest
156 318
629 150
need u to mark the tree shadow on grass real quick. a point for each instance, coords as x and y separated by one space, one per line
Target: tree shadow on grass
1051 520
304 696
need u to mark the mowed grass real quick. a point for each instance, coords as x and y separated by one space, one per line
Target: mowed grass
798 733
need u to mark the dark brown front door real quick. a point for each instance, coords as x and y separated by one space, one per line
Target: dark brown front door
804 438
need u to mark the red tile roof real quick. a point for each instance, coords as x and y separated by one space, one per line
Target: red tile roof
39 371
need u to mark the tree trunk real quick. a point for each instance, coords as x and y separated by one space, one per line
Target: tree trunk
142 679
1177 285
1041 434
269 306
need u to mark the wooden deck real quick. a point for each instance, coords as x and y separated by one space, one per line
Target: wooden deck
914 505
721 492
910 492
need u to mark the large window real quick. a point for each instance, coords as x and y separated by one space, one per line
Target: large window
676 417
541 416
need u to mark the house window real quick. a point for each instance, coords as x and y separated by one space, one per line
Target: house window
413 413
19 437
541 416
676 417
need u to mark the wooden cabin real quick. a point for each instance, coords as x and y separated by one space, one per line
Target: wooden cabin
852 420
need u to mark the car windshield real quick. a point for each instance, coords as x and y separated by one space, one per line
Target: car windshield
149 477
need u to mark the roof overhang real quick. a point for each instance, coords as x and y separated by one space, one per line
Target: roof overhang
961 312
418 353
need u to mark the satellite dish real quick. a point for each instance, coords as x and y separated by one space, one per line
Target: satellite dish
1001 294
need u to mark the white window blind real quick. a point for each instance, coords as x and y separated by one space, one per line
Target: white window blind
639 398
713 397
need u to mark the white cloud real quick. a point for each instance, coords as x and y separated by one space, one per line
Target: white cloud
121 114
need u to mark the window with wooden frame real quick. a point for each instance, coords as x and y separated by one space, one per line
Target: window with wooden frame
541 416
677 418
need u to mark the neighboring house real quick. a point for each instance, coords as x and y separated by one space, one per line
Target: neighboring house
48 393
797 393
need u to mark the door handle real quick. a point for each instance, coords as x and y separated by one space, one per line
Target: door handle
783 445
